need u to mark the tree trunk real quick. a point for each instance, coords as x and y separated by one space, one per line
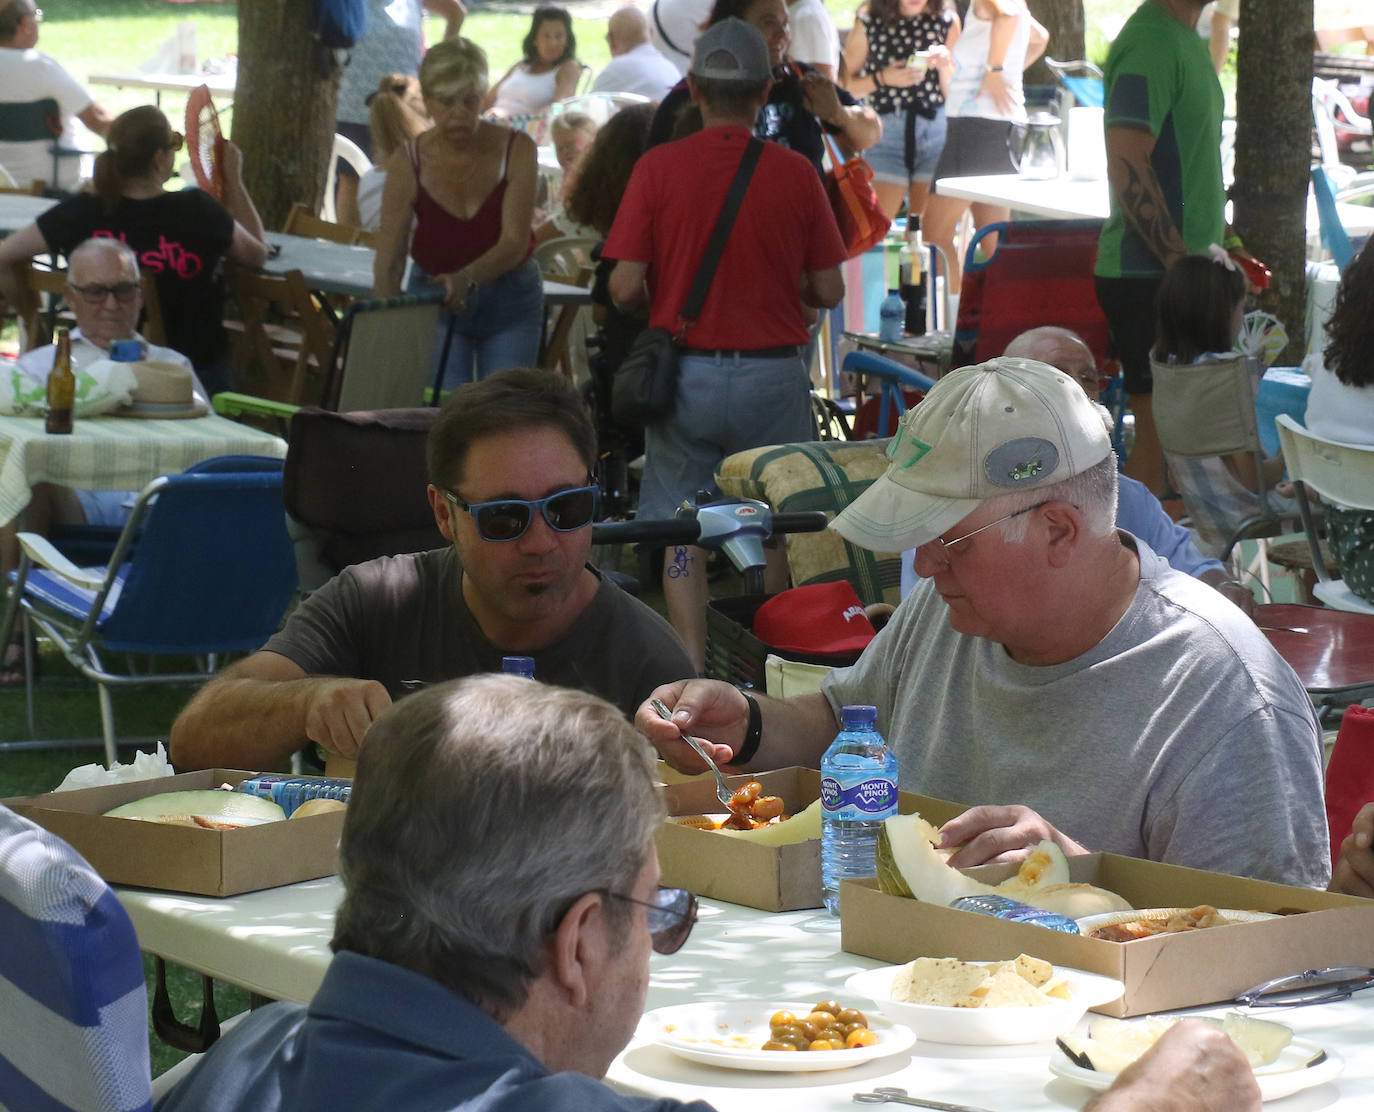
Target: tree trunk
1063 19
284 108
1274 152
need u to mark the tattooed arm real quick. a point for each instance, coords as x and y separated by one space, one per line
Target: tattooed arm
1142 200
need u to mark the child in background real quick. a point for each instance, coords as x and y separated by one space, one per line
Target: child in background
572 134
1200 309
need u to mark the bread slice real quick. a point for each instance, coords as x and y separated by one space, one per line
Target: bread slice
951 983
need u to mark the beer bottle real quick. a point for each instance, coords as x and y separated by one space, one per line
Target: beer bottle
61 387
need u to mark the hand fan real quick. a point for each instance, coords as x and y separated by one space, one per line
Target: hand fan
205 142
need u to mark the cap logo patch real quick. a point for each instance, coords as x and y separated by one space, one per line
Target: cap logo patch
905 450
1022 462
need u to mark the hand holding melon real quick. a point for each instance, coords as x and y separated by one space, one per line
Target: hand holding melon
910 865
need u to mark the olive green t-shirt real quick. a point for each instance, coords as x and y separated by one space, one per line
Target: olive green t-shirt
1159 77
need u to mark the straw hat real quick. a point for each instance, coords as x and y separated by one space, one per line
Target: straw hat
164 390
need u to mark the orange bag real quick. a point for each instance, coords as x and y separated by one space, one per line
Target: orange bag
849 186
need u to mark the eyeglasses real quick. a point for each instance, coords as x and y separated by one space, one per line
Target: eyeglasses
95 294
671 914
507 519
944 546
1315 986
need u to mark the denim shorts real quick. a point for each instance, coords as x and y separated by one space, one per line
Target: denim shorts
725 404
888 155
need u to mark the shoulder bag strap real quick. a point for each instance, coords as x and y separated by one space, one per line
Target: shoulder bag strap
710 259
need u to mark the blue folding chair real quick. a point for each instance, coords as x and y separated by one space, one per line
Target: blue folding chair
894 377
75 1032
213 572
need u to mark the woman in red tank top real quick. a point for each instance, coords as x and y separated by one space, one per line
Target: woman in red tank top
467 187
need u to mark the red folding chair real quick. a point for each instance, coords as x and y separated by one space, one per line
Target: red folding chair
1350 774
1040 274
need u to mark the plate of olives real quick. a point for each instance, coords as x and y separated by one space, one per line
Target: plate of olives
776 1037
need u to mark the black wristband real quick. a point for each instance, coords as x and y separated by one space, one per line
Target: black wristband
753 733
877 79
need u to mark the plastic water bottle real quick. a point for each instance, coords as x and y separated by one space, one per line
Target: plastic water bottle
891 317
858 791
1003 907
289 792
518 666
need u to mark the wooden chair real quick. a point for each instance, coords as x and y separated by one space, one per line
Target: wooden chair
300 221
283 340
37 313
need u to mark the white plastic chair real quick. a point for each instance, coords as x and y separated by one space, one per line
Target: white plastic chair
1340 473
351 153
1333 113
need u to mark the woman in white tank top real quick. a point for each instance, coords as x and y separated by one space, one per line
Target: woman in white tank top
1000 38
548 72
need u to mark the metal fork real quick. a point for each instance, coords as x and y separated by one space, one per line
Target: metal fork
723 790
898 1096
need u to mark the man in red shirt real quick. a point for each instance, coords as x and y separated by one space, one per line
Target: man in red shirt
743 380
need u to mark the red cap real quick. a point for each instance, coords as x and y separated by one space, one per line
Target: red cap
817 619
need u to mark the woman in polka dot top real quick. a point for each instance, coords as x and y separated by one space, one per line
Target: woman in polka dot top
897 57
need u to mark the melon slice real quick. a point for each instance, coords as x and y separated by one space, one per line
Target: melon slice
221 808
910 865
1113 1044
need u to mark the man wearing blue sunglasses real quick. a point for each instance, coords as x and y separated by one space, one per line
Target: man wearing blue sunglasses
510 461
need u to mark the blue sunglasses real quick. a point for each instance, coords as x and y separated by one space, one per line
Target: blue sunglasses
507 519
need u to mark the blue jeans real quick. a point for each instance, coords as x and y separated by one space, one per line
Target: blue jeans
725 404
500 327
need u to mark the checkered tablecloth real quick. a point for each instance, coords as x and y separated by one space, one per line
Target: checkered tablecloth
115 453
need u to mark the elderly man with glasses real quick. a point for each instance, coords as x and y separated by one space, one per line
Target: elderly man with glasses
104 293
510 464
1049 666
493 945
28 75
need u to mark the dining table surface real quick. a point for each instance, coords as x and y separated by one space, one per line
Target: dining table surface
220 84
276 943
115 453
1069 198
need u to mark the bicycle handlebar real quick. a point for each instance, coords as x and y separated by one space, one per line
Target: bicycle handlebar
687 530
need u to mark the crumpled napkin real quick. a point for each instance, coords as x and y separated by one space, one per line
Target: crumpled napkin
145 766
101 387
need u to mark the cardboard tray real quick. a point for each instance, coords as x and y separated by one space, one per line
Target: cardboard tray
186 858
1167 971
770 878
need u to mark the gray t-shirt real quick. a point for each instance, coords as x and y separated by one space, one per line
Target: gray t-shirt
1181 737
403 618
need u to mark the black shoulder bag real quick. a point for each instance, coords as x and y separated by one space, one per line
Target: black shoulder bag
645 387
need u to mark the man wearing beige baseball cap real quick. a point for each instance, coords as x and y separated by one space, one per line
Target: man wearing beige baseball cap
1049 669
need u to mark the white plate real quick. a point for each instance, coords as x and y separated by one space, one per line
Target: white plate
988 1026
730 1035
1287 1075
1090 923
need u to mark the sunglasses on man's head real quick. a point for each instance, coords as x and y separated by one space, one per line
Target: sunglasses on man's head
507 519
670 917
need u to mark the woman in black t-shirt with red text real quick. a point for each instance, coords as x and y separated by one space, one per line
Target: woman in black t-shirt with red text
180 237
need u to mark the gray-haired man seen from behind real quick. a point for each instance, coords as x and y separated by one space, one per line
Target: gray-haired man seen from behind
1049 666
492 950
